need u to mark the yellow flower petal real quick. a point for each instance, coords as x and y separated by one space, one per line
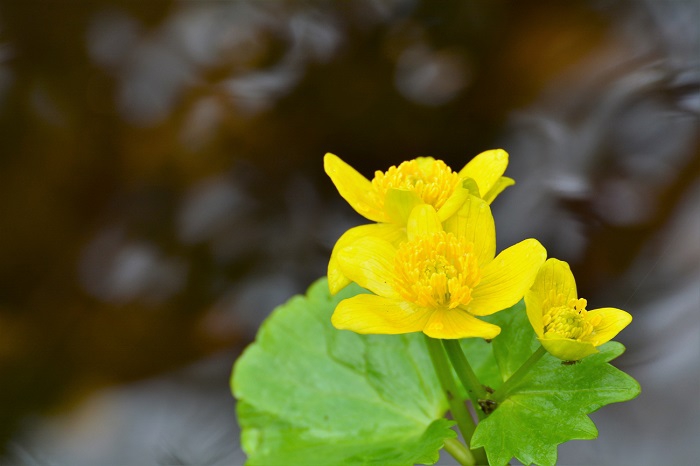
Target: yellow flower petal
533 307
336 278
555 275
501 184
369 262
610 322
474 222
453 203
387 231
505 280
456 323
486 168
354 188
567 349
573 333
399 203
423 221
370 314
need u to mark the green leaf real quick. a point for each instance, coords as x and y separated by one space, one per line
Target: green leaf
517 340
314 395
550 405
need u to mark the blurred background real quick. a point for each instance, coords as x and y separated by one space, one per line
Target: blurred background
162 190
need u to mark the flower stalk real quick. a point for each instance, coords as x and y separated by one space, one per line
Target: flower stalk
464 371
505 389
459 410
459 452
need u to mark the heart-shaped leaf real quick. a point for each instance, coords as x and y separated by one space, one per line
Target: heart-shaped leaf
314 395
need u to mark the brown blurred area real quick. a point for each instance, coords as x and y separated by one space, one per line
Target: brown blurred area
161 190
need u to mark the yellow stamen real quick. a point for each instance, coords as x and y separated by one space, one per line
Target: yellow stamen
566 320
433 181
437 270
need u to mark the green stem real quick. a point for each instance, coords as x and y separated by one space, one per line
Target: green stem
457 407
459 452
459 410
464 371
505 389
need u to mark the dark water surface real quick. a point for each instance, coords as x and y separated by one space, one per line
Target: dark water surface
162 190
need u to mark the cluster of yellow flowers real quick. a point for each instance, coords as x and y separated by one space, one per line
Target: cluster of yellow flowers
430 260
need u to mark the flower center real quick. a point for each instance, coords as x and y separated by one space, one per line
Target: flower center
566 320
437 270
432 180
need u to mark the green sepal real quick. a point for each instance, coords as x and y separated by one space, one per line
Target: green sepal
551 403
314 395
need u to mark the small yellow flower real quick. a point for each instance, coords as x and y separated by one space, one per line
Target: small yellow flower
391 196
560 319
439 279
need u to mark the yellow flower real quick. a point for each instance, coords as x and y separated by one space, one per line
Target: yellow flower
439 279
560 319
391 196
